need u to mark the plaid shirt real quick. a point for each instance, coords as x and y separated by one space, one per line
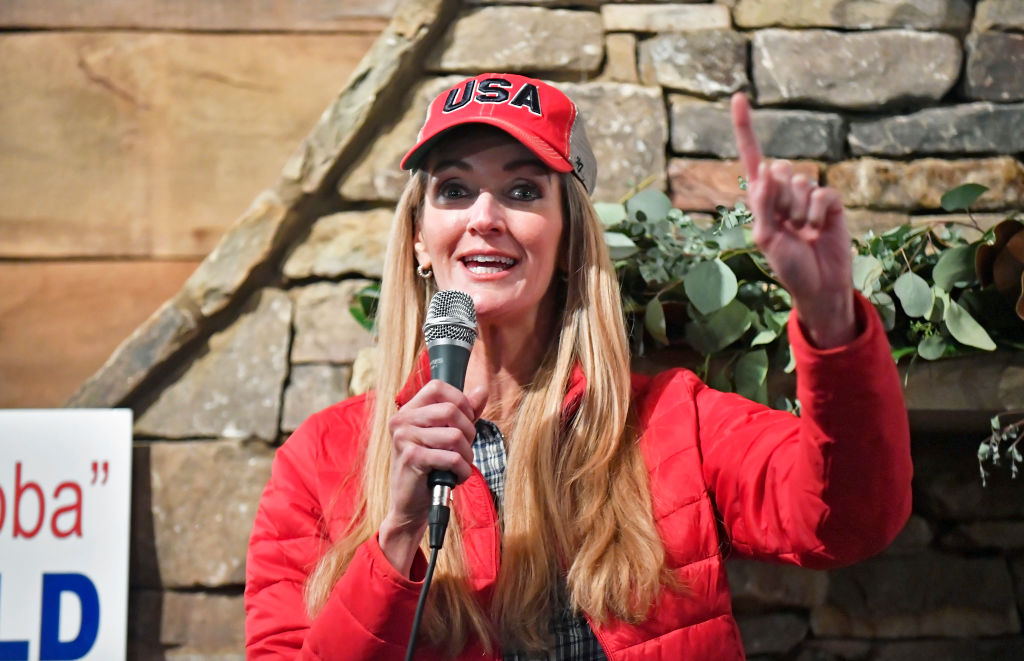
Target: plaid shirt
574 640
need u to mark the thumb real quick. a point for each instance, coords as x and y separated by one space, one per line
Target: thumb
478 400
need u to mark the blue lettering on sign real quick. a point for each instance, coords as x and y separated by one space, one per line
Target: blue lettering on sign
13 650
51 648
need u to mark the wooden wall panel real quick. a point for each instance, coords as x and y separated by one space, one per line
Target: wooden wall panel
199 15
59 321
134 144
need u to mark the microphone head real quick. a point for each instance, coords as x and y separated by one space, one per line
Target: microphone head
451 319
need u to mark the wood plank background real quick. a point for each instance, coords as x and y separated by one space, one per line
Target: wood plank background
132 134
199 15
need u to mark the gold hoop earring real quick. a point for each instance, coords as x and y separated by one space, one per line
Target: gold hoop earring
425 273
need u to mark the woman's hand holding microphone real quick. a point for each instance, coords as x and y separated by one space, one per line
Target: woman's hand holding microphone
433 431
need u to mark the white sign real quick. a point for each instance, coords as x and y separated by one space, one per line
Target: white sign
65 487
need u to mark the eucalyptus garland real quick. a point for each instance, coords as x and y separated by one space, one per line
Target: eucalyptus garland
702 284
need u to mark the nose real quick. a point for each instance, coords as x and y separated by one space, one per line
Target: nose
486 214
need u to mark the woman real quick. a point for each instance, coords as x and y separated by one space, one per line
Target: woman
594 508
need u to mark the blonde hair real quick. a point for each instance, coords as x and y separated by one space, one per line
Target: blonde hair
581 503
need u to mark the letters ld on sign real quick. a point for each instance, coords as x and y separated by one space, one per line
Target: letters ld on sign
65 489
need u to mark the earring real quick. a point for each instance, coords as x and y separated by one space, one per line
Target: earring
424 273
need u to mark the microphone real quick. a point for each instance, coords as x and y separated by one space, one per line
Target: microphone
449 331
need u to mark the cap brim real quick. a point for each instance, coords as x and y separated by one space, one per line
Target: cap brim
545 152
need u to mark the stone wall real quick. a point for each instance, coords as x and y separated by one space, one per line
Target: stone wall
891 101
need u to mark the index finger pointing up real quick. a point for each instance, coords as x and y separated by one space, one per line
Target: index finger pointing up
746 140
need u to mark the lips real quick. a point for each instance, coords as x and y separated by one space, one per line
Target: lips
482 264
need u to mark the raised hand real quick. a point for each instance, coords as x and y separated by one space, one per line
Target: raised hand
800 229
434 430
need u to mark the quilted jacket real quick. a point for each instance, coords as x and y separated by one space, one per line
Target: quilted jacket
726 475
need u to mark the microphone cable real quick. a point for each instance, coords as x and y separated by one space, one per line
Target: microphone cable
442 483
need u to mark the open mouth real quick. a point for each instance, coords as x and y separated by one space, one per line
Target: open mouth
488 263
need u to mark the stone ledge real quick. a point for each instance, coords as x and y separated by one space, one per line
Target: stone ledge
899 185
933 650
708 63
950 15
351 122
929 594
703 128
974 128
858 71
961 394
201 624
999 15
191 527
994 63
666 17
531 39
951 396
157 339
233 386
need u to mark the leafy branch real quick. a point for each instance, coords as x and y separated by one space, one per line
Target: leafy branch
707 287
990 451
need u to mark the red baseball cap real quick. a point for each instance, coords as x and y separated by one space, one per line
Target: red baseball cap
533 112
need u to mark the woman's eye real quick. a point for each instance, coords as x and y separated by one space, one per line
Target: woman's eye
451 191
525 192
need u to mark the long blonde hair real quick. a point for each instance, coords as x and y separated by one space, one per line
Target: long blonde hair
581 505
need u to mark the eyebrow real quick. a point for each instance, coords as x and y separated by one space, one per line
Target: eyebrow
508 167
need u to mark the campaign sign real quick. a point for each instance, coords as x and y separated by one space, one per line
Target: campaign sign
65 486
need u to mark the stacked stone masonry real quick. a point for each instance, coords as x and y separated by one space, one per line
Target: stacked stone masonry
892 102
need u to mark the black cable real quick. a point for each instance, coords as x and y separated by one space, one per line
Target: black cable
419 605
438 524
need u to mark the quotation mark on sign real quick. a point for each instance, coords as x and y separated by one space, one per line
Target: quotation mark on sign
96 471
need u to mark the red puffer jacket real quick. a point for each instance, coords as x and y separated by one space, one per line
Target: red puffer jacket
826 489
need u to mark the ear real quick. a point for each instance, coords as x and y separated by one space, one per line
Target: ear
418 245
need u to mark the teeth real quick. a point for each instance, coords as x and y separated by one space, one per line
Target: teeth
491 258
487 263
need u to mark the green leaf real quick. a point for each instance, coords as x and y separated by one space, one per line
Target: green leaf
610 213
360 316
719 329
620 246
965 329
649 205
776 319
955 268
962 197
763 337
931 347
653 273
939 304
368 297
720 381
866 270
898 353
886 309
710 286
654 320
751 374
732 239
791 364
914 293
